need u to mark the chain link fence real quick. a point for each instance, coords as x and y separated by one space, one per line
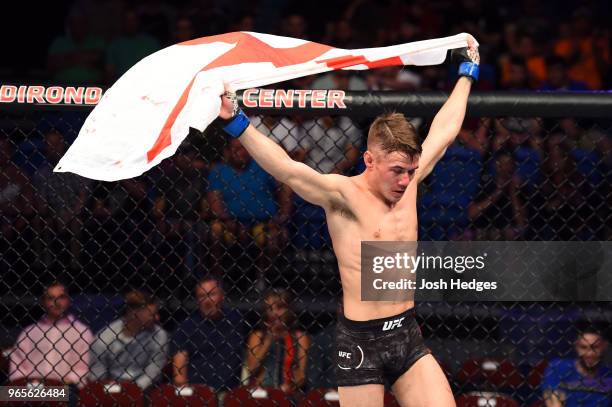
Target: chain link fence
174 280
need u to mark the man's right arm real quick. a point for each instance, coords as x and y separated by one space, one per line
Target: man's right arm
316 188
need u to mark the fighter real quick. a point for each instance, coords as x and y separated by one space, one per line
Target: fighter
377 342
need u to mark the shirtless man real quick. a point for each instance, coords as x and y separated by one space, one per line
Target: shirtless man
372 347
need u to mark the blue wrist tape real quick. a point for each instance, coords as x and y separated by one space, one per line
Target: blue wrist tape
237 125
469 69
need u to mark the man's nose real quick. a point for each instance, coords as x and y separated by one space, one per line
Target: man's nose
404 179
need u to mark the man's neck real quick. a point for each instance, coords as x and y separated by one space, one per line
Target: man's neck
587 371
130 328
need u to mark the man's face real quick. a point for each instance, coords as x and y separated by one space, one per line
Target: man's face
209 296
393 171
56 301
148 316
590 348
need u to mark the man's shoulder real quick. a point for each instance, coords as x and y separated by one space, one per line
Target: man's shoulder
561 365
112 329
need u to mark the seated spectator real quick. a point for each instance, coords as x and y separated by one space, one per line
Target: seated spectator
246 201
515 75
277 351
208 346
586 52
179 213
565 199
16 211
558 78
60 201
76 57
56 347
129 48
499 212
134 347
582 381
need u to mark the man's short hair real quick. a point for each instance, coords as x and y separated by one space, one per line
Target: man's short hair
137 299
53 283
394 133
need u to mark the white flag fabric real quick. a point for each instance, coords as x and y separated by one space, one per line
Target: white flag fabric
146 114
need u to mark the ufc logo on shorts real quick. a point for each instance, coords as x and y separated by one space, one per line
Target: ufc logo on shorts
389 325
344 355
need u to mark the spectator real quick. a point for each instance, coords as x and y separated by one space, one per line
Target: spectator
582 381
242 199
56 347
515 75
76 57
179 212
129 48
183 30
558 78
277 351
207 346
586 52
134 347
16 211
60 201
523 136
565 210
156 17
499 212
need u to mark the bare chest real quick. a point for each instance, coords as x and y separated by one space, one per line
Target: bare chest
367 220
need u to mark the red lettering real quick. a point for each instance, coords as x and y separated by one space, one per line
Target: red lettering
302 93
54 94
247 101
8 93
21 94
318 99
35 93
335 98
266 98
74 95
93 95
282 98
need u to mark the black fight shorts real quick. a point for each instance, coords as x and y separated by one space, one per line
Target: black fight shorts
378 351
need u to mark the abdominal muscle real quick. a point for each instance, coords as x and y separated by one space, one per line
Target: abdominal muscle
347 247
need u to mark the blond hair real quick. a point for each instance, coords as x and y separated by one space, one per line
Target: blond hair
393 132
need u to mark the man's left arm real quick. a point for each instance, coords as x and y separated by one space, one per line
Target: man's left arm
447 122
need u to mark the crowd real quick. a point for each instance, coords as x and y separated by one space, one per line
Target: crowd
220 347
538 45
211 204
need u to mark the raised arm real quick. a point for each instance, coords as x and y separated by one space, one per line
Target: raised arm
447 123
316 188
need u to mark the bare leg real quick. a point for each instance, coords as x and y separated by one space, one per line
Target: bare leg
367 395
423 385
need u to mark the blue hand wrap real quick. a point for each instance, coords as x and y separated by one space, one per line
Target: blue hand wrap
469 69
237 124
